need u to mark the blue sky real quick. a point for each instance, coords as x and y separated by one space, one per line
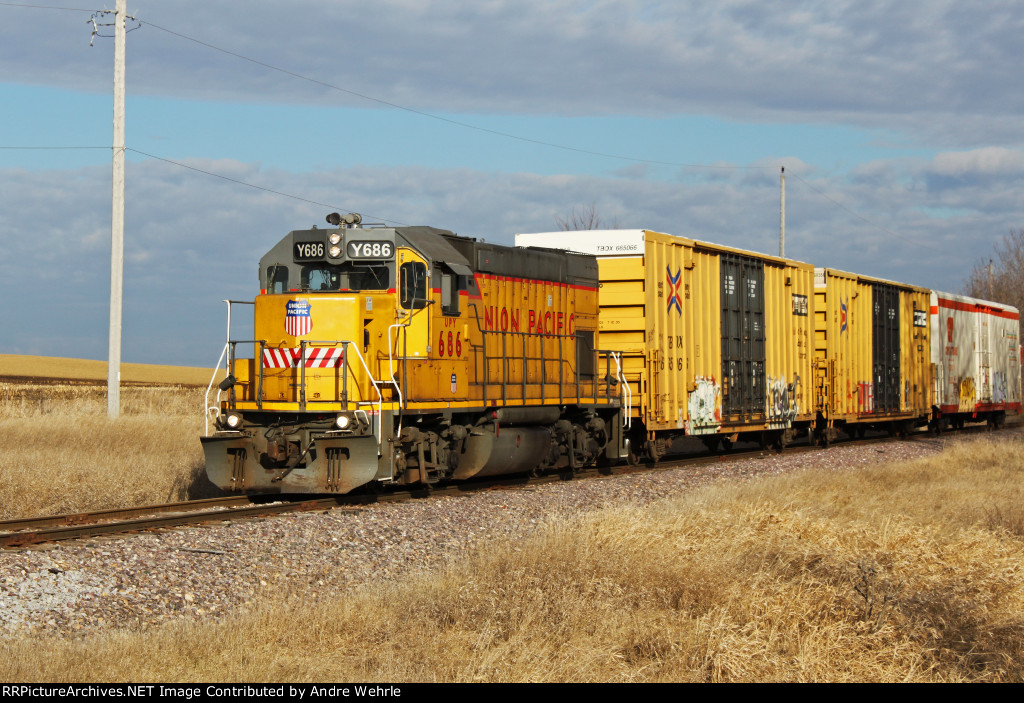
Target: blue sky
897 122
179 129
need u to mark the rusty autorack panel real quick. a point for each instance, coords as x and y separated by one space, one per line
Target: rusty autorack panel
975 349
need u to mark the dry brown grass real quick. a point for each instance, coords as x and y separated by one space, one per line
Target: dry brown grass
62 454
896 573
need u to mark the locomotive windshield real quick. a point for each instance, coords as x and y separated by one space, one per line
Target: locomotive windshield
346 276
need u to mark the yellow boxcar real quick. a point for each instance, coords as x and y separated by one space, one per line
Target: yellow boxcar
715 341
872 356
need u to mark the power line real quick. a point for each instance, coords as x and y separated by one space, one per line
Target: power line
43 148
205 172
864 219
253 185
44 7
432 116
508 135
414 111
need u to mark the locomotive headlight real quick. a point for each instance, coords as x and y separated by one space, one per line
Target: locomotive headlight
343 421
335 238
335 251
233 420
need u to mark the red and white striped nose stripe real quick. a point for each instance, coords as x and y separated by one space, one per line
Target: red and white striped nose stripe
316 358
280 358
322 358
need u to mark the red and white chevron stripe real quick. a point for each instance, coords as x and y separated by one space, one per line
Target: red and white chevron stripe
323 357
316 358
280 358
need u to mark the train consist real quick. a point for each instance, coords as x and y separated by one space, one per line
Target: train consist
412 355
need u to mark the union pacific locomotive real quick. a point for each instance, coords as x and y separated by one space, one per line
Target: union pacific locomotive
411 355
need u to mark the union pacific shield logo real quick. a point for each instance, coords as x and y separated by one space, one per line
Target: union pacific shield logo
297 320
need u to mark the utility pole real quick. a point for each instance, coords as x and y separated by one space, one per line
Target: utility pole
782 216
117 217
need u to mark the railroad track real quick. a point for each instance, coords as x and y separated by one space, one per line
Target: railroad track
24 532
29 531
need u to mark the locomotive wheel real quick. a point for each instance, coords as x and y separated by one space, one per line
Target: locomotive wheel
632 458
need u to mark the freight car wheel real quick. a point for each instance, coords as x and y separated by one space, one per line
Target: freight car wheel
781 442
651 451
712 442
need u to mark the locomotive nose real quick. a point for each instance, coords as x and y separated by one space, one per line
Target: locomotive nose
304 340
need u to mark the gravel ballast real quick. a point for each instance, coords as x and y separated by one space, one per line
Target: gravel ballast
206 572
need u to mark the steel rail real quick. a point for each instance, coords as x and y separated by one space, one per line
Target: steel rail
30 531
30 523
176 519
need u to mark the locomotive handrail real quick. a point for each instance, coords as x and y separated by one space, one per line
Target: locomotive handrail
206 398
627 420
227 365
347 346
578 378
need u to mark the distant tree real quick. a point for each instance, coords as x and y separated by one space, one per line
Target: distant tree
586 218
1007 281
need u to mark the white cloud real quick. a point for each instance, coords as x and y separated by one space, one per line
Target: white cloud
989 161
936 67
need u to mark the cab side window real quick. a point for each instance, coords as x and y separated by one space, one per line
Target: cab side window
277 279
450 287
414 285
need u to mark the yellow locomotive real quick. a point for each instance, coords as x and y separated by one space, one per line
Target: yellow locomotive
412 355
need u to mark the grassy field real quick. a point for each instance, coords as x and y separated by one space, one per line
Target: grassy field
894 573
62 454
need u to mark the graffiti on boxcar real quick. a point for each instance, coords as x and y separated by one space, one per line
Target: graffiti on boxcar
967 395
705 406
782 401
865 397
1000 390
